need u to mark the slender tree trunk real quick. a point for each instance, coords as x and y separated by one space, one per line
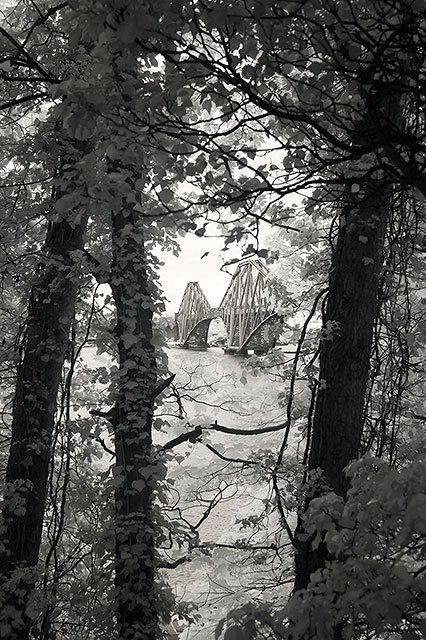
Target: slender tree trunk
132 422
132 289
345 349
50 313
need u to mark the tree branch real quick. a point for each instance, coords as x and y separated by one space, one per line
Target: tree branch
238 546
31 61
43 18
281 511
222 457
246 432
13 103
101 275
163 564
104 447
161 386
190 436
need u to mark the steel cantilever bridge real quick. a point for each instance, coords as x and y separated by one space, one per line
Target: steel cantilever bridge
245 311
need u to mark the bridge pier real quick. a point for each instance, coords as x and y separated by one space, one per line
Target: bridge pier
244 352
234 351
193 347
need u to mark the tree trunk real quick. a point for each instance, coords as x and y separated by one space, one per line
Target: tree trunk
132 423
345 349
50 313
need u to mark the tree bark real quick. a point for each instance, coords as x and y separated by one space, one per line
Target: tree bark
345 350
132 423
50 313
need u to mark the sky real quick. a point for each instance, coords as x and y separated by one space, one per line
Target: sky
190 267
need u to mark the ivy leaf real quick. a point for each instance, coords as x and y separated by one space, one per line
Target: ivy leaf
234 632
166 195
139 485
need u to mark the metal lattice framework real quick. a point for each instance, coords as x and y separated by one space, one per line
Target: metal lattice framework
194 317
245 309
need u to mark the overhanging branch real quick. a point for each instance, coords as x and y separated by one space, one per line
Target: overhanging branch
246 432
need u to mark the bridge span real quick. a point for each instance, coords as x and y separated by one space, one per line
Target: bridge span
245 311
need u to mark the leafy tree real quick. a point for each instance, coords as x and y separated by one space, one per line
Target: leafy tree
38 373
245 104
96 98
335 89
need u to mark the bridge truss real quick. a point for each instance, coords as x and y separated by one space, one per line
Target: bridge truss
244 309
194 317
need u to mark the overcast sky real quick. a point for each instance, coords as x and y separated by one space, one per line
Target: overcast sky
189 267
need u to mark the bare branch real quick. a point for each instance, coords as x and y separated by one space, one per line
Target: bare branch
164 564
161 386
32 62
14 103
190 436
104 447
222 457
246 432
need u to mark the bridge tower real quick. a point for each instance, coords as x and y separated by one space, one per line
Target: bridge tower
194 317
245 309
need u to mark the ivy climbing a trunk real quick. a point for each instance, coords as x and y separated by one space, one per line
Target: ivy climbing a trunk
345 351
132 425
350 314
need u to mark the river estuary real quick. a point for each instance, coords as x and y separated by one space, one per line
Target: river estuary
217 387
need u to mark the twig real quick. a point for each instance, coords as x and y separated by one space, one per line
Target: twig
163 564
222 457
33 63
161 386
104 447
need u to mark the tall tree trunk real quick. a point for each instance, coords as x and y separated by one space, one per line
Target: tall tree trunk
50 313
132 423
132 288
345 349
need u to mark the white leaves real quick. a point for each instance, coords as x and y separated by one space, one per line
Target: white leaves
379 533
